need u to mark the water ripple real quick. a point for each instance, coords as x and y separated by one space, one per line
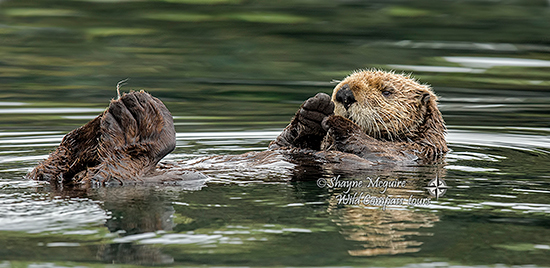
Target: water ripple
522 141
50 110
227 135
35 213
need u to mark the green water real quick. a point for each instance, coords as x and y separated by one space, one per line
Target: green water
233 72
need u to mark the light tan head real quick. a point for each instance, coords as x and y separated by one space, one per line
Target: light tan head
389 106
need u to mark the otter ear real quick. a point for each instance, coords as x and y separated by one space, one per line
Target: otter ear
425 98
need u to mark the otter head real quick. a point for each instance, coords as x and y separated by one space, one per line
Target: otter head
390 107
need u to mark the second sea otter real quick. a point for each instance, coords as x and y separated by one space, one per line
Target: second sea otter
373 117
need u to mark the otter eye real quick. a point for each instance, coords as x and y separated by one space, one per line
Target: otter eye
386 93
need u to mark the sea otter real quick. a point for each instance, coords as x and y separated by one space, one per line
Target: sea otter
373 117
373 114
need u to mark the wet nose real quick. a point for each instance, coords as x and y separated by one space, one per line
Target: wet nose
345 96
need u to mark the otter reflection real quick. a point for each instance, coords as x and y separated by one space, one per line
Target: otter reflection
389 231
134 210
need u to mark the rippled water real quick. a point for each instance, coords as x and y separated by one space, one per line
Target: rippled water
232 73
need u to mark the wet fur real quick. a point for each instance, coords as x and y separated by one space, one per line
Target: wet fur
405 125
124 144
408 119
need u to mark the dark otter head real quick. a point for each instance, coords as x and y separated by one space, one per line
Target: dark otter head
390 107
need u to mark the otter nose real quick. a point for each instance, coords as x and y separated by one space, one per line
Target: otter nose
345 96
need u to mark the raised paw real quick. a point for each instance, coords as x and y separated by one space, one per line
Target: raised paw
306 130
313 111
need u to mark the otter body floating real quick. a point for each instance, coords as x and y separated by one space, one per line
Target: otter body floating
372 118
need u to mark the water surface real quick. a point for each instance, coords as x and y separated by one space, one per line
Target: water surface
233 73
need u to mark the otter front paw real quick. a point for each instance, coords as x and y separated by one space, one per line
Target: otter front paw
313 111
306 130
343 135
340 127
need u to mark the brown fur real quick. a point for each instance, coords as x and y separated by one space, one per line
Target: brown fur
383 117
123 143
346 136
305 129
408 117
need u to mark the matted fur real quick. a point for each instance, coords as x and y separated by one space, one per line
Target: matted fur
391 117
407 114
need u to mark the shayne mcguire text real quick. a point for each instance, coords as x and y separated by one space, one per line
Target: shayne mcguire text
361 198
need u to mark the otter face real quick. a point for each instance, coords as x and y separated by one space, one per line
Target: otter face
386 106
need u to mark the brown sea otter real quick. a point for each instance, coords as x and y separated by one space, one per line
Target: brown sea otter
374 117
377 115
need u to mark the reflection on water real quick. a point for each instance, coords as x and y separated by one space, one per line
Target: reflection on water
394 229
382 233
528 139
49 110
236 213
233 73
486 62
